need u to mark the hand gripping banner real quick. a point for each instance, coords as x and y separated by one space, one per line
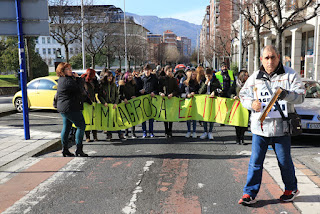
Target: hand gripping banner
137 110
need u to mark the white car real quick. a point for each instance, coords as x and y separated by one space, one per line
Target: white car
80 72
309 110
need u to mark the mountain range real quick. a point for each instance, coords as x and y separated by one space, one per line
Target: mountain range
158 25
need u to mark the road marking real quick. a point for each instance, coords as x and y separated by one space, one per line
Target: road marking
37 115
37 194
131 206
200 185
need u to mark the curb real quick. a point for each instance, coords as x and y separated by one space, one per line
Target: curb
45 148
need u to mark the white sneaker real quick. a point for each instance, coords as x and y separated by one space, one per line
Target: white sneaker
204 135
188 134
210 136
194 135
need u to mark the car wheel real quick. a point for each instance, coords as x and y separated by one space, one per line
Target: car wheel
18 104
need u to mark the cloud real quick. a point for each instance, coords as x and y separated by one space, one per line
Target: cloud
193 16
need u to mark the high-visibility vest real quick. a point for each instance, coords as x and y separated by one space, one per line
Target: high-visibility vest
220 77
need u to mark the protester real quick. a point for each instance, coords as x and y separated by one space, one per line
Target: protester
242 78
226 79
69 103
192 87
108 94
272 74
211 87
128 90
91 86
149 86
118 76
201 75
168 87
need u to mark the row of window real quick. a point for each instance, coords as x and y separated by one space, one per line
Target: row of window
48 51
49 40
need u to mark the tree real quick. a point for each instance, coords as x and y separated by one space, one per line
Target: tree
171 54
64 23
76 61
255 14
295 14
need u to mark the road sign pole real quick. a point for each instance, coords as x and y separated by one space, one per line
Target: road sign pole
23 75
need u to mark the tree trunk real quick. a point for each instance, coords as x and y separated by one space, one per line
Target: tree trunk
108 64
120 62
93 57
257 48
28 63
67 52
279 42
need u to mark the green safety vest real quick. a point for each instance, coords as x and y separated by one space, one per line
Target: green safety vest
220 77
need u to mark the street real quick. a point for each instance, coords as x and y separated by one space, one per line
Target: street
155 175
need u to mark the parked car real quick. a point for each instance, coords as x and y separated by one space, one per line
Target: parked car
40 91
309 110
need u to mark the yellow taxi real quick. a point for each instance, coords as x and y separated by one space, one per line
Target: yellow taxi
40 91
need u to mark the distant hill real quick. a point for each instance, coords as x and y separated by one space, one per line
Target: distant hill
158 25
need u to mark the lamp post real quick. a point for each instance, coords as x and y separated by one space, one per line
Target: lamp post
82 35
125 36
240 40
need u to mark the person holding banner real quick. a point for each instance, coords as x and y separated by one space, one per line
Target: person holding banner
128 90
69 104
242 78
149 86
109 94
168 87
211 87
91 86
192 87
256 92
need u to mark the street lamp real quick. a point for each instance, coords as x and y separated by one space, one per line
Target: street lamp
125 36
82 35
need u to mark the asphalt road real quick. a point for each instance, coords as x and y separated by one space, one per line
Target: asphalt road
155 175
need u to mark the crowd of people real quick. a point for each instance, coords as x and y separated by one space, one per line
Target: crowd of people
114 88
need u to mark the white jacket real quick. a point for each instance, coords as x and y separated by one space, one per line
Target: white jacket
284 77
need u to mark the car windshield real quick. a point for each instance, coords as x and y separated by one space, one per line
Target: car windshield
312 90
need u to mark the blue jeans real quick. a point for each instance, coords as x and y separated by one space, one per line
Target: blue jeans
144 126
281 146
194 125
77 119
205 126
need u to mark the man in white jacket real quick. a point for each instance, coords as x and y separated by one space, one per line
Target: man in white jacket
254 96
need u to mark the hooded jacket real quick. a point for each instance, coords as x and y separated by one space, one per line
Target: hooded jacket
283 77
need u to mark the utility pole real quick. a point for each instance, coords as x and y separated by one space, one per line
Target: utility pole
83 42
240 40
214 37
125 37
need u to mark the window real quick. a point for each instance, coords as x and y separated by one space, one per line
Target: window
48 40
43 40
37 40
49 50
54 50
33 85
71 50
37 50
44 51
45 85
76 51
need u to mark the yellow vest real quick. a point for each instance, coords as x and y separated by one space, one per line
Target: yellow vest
220 77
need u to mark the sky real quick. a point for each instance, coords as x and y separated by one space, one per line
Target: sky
192 11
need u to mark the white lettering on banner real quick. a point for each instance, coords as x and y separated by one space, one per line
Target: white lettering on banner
265 98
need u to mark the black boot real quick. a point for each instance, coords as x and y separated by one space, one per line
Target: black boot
66 152
79 151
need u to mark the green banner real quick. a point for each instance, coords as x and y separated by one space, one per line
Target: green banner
140 109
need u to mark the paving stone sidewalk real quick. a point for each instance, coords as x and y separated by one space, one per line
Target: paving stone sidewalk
14 147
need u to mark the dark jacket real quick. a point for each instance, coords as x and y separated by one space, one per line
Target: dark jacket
193 86
127 90
214 85
150 84
70 94
139 83
108 93
168 85
92 89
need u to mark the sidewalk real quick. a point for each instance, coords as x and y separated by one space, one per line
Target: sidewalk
14 148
